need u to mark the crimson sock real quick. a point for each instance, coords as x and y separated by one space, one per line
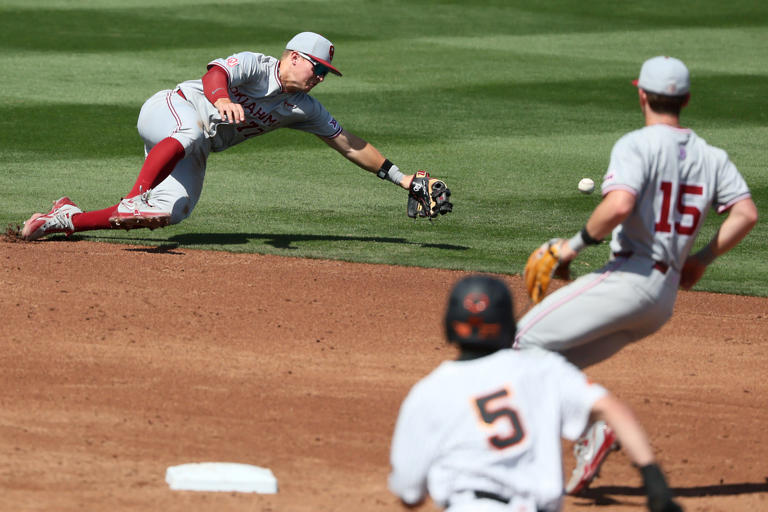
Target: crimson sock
161 160
97 219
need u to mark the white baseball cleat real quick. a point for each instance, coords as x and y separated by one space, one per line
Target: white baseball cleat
138 212
590 451
58 220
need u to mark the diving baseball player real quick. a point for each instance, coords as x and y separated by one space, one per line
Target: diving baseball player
482 433
661 181
240 97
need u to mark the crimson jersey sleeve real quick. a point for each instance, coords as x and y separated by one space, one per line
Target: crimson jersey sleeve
215 84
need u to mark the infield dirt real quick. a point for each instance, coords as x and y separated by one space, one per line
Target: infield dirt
119 361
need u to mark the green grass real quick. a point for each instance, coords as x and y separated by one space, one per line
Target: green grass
511 102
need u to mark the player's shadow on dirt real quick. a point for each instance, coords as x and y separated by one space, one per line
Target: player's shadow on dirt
160 249
278 241
601 496
287 241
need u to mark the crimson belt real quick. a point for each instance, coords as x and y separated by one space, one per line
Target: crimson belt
658 265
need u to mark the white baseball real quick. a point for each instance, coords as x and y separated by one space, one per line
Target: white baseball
586 185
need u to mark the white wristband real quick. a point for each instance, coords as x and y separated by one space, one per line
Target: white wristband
391 172
394 175
576 243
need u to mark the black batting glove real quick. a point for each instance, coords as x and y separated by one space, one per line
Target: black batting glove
657 490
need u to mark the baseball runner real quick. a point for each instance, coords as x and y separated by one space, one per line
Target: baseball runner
661 181
482 433
239 97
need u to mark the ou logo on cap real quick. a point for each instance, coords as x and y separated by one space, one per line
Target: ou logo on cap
476 302
330 53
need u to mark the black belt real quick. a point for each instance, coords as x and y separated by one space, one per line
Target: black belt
491 496
657 265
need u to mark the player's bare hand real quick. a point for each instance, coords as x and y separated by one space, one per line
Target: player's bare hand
692 271
229 111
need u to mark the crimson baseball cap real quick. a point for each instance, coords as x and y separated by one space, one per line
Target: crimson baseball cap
664 75
316 46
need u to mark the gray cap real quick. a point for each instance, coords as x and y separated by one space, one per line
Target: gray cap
664 75
315 46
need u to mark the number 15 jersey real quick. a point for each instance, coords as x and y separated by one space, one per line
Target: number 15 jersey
491 424
676 178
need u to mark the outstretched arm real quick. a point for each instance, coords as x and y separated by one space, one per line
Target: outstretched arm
742 217
427 197
363 154
635 442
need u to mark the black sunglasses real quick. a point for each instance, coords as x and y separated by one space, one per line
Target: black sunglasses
318 68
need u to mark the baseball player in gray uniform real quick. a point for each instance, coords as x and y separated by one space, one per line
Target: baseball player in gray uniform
242 96
483 432
661 181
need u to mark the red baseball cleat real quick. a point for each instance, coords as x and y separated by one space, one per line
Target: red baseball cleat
58 220
138 212
591 450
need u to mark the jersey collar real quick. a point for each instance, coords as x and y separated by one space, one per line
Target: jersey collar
275 83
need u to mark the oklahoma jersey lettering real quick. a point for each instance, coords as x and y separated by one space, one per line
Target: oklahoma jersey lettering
254 82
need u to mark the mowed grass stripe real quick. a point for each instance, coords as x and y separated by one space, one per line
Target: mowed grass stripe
597 53
107 30
542 109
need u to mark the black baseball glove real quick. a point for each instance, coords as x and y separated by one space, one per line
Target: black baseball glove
428 197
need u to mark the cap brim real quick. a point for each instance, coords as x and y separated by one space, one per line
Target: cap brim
327 64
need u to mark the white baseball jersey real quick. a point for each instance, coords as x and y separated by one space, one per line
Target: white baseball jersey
254 82
492 424
676 178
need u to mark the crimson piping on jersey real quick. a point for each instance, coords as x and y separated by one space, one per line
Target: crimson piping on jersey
735 200
625 188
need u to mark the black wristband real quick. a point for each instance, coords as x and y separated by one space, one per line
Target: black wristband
652 476
588 239
384 171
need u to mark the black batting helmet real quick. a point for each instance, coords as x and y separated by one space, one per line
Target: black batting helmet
480 314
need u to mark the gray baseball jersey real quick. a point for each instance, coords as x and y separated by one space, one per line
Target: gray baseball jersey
492 424
186 114
254 82
676 178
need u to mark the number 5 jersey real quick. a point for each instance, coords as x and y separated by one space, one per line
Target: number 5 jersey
492 424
